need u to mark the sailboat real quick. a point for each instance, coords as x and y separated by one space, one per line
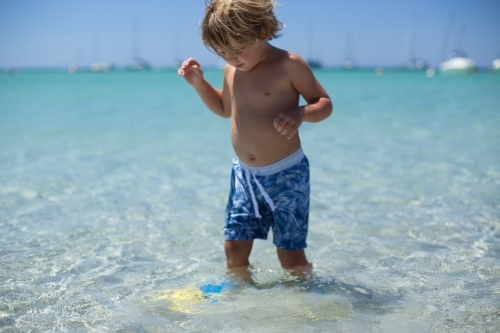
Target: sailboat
495 65
349 63
177 60
99 66
312 62
138 63
415 63
459 63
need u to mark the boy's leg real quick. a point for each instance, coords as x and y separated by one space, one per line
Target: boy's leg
237 254
295 261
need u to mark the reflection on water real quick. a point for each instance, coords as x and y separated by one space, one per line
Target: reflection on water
113 190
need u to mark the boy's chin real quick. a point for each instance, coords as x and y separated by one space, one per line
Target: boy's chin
243 68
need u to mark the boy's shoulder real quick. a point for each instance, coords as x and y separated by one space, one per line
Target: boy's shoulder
288 57
290 61
294 64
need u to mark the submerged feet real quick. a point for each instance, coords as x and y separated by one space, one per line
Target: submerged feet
244 276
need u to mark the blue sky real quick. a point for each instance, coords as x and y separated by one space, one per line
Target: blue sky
63 32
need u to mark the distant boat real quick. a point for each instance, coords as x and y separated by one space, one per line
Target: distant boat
315 64
10 70
414 63
100 67
458 63
495 65
72 69
139 64
349 63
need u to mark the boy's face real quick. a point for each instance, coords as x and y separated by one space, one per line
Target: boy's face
248 57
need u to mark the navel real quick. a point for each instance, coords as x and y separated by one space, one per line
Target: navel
267 94
252 157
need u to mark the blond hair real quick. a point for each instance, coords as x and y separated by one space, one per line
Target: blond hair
231 25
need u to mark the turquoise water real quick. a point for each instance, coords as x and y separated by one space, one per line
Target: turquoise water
113 190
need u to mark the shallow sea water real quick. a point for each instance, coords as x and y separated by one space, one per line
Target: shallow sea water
113 189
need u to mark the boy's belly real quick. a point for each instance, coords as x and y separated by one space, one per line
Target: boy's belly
262 146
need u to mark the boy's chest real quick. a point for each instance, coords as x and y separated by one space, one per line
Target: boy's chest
262 91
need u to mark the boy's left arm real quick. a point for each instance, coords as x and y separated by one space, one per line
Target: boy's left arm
318 107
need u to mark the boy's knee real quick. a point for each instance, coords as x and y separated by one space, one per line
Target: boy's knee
237 246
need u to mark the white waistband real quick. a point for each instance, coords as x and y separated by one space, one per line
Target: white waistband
267 170
270 169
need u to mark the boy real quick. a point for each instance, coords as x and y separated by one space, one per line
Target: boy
260 93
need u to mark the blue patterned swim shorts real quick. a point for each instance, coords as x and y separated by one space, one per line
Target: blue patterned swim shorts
274 196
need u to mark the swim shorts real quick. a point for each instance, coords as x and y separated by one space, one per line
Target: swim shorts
274 196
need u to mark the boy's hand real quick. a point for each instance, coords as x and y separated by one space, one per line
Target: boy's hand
191 71
288 122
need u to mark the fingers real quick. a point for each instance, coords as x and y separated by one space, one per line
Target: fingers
293 130
285 125
277 121
187 65
289 130
189 62
183 71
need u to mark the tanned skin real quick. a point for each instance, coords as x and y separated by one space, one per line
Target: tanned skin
260 93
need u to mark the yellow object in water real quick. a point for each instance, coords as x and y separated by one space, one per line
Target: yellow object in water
185 299
181 300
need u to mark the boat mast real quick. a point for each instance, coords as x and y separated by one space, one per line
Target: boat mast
135 40
446 39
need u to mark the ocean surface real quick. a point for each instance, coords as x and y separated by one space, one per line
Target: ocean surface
113 188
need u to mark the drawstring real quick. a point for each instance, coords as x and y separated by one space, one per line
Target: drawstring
262 191
266 197
254 201
264 194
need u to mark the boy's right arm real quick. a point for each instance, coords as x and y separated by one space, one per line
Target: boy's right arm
212 97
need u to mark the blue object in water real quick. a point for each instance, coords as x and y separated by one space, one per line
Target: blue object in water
214 288
210 290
